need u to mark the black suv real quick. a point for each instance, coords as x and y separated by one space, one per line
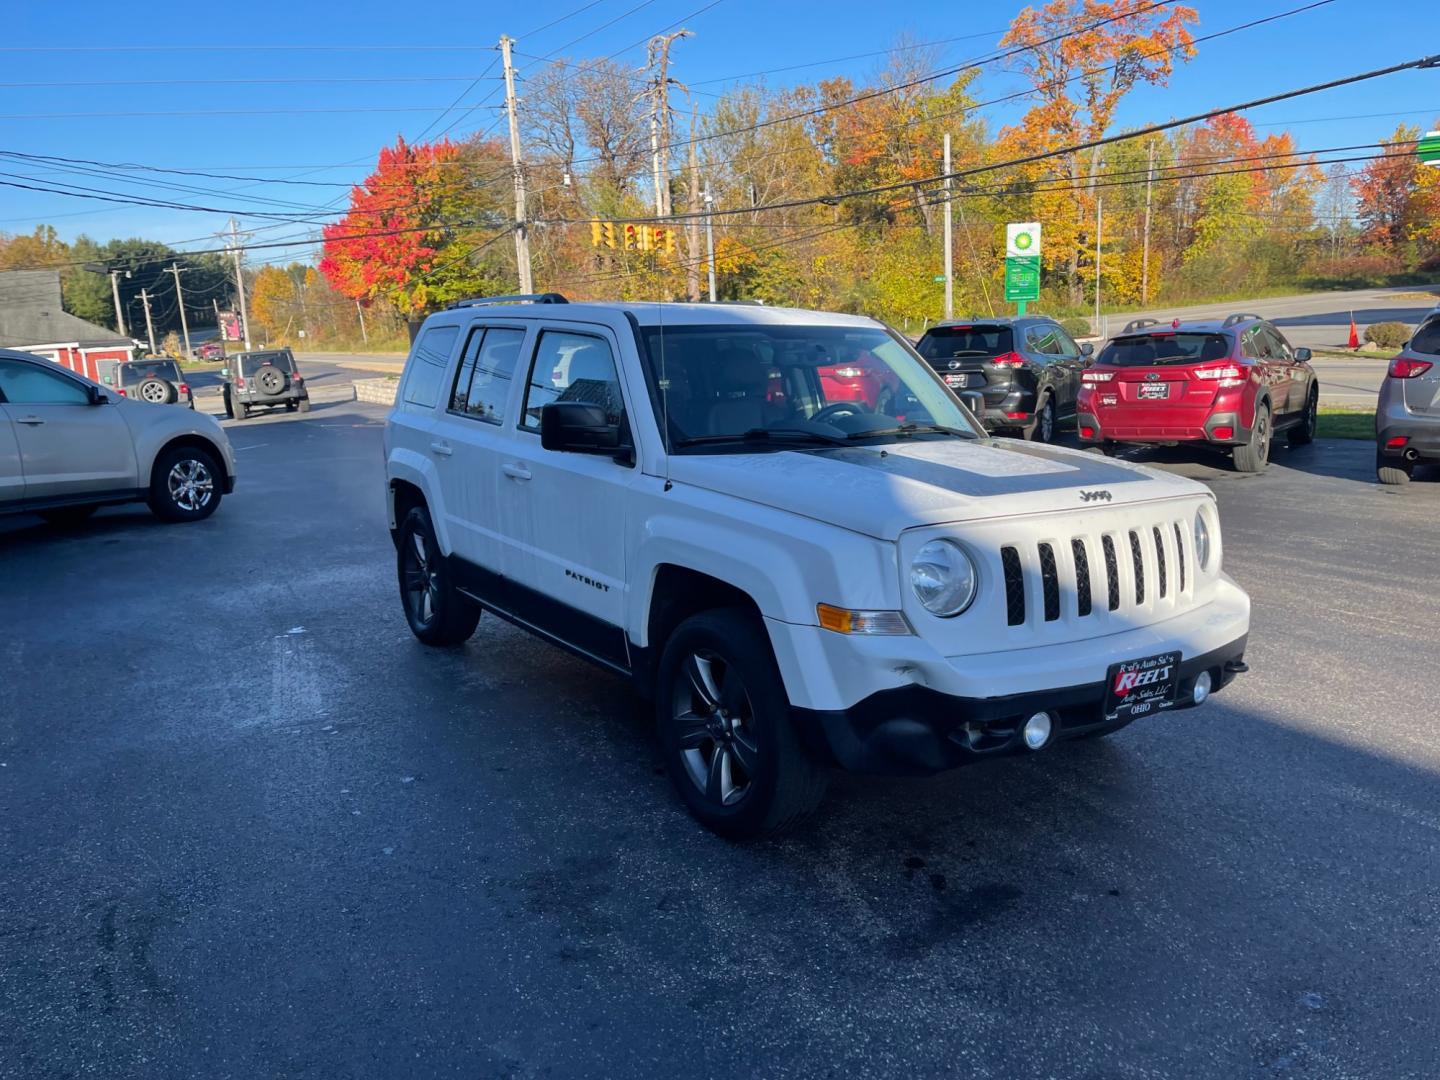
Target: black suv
157 380
263 380
1026 368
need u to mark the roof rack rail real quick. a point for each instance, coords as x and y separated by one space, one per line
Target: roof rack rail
519 298
1139 324
1238 317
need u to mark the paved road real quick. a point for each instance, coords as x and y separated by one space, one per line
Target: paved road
250 828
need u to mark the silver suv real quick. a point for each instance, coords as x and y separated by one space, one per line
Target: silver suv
69 446
1407 418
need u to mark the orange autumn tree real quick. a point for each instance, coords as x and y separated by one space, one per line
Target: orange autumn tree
1082 59
1385 190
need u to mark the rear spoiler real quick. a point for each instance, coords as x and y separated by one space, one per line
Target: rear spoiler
1139 324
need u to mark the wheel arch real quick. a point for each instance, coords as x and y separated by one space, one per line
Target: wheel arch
189 439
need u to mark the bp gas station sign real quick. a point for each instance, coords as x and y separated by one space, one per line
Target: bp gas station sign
1429 149
1022 263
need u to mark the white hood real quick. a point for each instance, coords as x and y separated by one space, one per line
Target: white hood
883 490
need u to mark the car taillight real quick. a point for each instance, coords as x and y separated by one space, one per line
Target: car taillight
240 384
1224 433
1402 367
1096 376
295 376
849 373
1228 372
1398 442
122 393
1087 433
184 389
1007 360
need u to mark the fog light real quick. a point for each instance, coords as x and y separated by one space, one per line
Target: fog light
1202 688
1037 730
1087 433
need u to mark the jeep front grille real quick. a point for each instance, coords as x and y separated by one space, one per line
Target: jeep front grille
1048 581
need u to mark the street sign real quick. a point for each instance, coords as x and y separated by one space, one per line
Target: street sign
1022 262
939 277
1429 149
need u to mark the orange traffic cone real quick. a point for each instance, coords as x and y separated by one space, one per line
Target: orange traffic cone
1354 337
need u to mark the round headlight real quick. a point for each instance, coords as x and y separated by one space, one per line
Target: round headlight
943 578
1202 542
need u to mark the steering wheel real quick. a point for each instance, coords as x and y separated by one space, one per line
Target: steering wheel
838 408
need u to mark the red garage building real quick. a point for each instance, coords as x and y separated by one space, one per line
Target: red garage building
32 320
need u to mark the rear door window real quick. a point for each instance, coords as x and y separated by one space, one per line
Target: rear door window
979 341
1149 350
425 372
482 382
1044 340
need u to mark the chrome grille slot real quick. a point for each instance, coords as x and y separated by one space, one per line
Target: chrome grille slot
1014 586
1138 561
1112 572
1180 554
1050 582
1082 576
1160 561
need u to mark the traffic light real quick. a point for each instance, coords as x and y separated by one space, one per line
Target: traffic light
608 232
597 234
656 237
632 236
669 241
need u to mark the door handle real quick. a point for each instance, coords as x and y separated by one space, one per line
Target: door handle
515 472
31 420
441 448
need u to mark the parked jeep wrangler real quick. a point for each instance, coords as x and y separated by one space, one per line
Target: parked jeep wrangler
263 380
157 380
796 581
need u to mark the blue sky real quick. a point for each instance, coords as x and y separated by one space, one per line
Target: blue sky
427 61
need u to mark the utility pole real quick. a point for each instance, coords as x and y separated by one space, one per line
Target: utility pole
949 258
149 326
658 53
180 299
1145 250
240 282
115 292
522 235
692 227
1099 202
361 312
710 240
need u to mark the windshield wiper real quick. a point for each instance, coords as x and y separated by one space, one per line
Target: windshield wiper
915 429
765 435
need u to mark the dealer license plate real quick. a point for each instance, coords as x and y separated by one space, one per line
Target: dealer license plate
1141 687
1154 391
961 381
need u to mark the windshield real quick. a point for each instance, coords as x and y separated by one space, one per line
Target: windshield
1151 350
140 370
949 342
755 385
253 362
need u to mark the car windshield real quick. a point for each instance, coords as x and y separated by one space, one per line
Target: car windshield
1158 349
1427 339
770 386
138 371
979 340
253 362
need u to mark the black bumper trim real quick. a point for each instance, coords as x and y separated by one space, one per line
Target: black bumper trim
914 730
1424 440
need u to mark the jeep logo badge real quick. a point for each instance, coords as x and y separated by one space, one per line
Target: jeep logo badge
1095 496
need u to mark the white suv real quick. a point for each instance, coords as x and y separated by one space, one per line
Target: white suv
795 540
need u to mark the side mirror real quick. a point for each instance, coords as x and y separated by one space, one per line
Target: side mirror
98 396
578 427
1303 354
1087 349
224 372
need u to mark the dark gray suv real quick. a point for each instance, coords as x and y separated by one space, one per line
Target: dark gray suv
263 380
1026 368
1407 417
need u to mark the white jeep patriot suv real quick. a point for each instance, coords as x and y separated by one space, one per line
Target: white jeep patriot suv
795 540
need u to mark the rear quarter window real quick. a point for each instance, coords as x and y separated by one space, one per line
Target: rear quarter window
1427 339
425 371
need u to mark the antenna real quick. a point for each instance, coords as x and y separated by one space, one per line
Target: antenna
664 394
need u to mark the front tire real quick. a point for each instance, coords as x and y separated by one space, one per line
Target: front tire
725 728
185 485
1255 455
438 613
1303 433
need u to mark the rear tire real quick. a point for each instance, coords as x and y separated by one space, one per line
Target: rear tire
726 732
229 407
241 411
1253 456
305 404
1390 471
290 406
67 517
438 613
1303 433
1044 426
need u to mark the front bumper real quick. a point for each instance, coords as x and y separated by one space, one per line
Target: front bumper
895 705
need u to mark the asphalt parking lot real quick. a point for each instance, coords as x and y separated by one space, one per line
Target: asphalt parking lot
249 827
